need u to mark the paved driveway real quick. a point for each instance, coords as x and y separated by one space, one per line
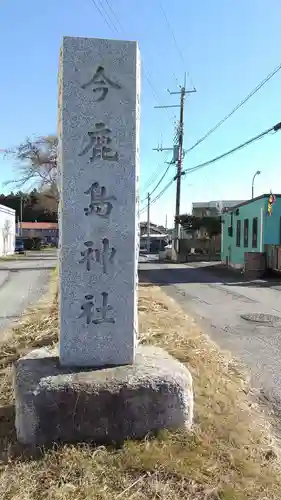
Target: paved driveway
243 317
22 283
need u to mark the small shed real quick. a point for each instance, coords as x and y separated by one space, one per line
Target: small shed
248 229
7 231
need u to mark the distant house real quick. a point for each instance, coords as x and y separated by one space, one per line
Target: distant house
158 237
47 231
213 208
252 230
154 229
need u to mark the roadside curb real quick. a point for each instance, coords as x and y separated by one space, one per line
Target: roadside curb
18 269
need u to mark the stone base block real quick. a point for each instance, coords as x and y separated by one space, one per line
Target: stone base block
108 405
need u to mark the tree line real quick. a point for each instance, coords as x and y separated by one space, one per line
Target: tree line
33 206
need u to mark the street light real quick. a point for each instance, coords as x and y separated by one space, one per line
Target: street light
258 172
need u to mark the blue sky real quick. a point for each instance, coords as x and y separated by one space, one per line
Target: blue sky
228 47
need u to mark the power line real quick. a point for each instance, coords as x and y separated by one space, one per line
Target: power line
100 8
172 34
158 196
114 14
154 174
159 182
275 128
161 179
109 15
123 30
175 41
101 13
254 91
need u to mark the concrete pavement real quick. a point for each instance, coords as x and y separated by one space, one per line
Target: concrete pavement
242 317
32 260
22 283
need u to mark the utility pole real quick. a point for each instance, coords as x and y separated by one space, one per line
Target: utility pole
148 223
178 153
21 211
179 169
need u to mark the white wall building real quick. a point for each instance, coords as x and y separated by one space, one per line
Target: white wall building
213 208
7 230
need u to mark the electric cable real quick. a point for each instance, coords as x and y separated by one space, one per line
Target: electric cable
253 92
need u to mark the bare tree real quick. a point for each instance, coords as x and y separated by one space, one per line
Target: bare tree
36 166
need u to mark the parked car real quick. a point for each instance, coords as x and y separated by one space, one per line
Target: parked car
19 246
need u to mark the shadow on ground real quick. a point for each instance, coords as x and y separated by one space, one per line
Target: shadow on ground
10 448
207 274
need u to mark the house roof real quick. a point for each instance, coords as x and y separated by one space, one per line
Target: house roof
144 224
247 202
39 225
153 227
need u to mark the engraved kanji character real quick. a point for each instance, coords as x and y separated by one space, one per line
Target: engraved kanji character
99 140
100 203
88 255
87 309
106 256
103 310
101 84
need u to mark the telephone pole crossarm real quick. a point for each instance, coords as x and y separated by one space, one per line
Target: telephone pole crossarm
179 92
166 107
162 149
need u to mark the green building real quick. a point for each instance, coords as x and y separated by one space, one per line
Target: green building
250 228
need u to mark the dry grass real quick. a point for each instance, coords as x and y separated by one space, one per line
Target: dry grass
229 455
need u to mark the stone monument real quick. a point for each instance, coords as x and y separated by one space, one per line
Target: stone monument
99 115
102 386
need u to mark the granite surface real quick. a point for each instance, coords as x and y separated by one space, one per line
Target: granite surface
58 404
98 126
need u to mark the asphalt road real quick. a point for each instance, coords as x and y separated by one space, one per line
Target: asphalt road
22 283
242 317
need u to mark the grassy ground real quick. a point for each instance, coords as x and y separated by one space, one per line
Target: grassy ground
228 456
15 256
